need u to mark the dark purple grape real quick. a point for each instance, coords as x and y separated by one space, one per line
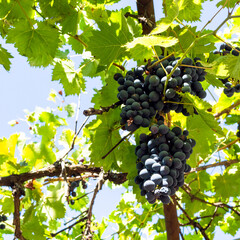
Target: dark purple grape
150 196
164 170
156 167
154 129
149 162
156 178
149 185
144 174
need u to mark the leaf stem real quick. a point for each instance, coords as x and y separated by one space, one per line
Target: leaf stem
228 145
24 12
213 16
225 163
185 27
227 110
129 134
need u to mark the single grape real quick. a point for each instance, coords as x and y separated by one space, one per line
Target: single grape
154 129
148 163
156 167
167 181
154 80
144 174
149 185
154 96
138 120
170 93
156 178
143 137
164 170
163 129
187 61
150 196
2 226
123 95
165 199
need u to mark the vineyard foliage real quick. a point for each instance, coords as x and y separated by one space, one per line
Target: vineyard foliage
45 178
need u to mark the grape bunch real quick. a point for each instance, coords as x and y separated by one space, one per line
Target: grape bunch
226 49
230 88
161 161
231 85
73 186
144 97
186 78
238 130
3 218
137 111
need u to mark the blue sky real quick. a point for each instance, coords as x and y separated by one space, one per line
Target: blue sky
25 87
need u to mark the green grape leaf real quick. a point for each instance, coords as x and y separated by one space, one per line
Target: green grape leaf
233 118
229 4
12 10
224 102
138 51
4 58
70 108
76 45
34 229
108 94
213 80
202 127
232 64
201 107
165 23
226 66
153 41
89 67
107 44
231 225
48 117
104 136
71 79
70 23
38 43
189 10
47 131
7 204
223 186
66 138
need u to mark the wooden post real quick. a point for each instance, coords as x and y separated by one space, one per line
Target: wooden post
171 220
146 10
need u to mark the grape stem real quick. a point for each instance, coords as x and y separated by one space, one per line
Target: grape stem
191 66
185 27
159 60
225 163
214 16
227 110
228 145
119 66
24 12
226 43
